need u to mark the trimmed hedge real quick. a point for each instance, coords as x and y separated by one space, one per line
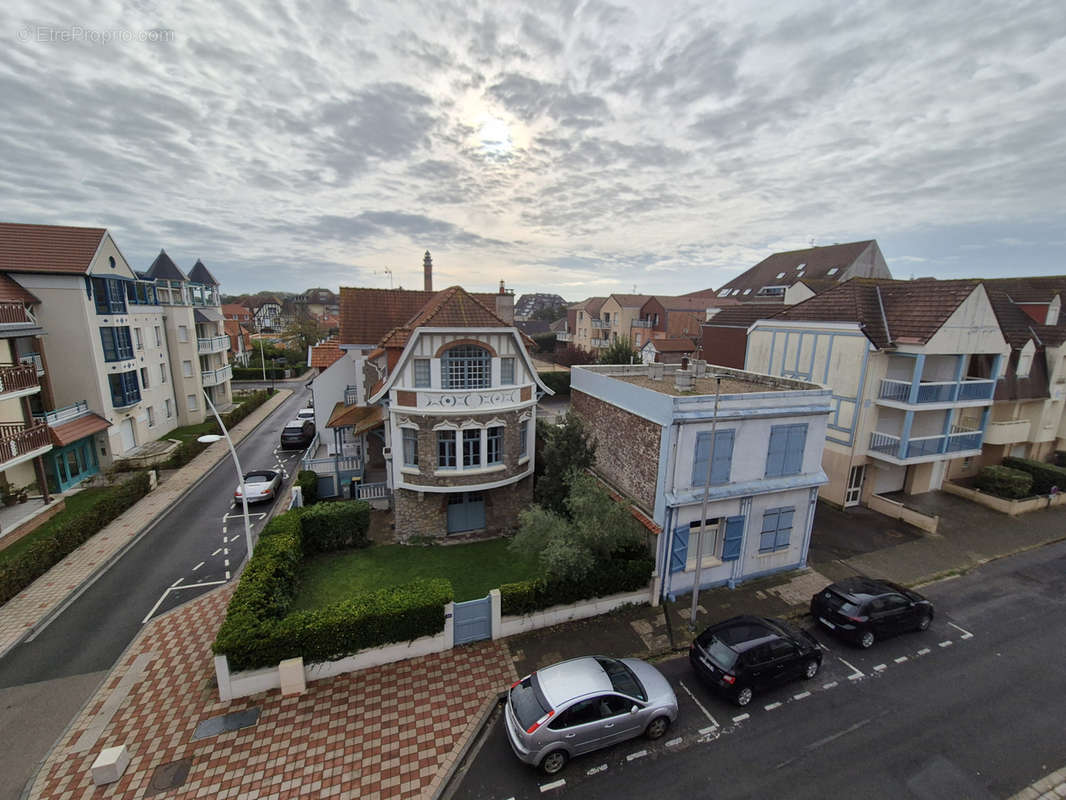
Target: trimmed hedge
258 632
307 480
189 450
256 373
41 556
558 382
1044 475
611 577
335 526
1005 482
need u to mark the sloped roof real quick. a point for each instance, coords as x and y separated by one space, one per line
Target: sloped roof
234 328
742 315
673 345
164 268
816 263
12 292
325 354
201 274
69 432
367 315
232 309
48 248
590 305
630 300
453 307
683 303
1018 327
361 418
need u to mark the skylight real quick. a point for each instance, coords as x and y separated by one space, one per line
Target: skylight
832 271
801 266
747 291
723 292
780 275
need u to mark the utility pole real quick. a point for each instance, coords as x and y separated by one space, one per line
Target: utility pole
703 507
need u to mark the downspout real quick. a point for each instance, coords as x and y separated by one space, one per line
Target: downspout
675 433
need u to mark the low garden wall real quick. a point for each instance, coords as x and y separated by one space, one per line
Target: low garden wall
1003 506
556 615
890 508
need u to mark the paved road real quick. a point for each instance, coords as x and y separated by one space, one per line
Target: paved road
914 717
198 544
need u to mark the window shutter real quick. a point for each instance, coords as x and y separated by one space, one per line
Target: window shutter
723 456
797 440
734 536
775 455
784 528
679 550
699 463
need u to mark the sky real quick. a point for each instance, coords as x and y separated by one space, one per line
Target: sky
579 147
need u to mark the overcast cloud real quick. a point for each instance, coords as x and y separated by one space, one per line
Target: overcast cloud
580 147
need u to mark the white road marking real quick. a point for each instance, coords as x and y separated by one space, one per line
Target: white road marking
198 585
900 660
837 735
198 566
830 685
708 729
179 580
241 516
225 551
636 755
946 644
547 787
741 717
706 713
216 552
880 667
856 672
227 574
671 743
801 696
225 563
772 706
924 651
965 634
595 770
223 530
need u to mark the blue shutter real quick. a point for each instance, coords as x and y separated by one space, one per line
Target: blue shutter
699 462
723 456
768 534
734 536
784 528
797 440
775 454
679 550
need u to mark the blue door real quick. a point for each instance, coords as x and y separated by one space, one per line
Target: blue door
473 620
466 512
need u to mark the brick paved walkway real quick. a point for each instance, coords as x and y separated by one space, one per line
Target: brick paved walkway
34 603
387 732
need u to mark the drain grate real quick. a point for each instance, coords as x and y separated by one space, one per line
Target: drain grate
227 722
169 776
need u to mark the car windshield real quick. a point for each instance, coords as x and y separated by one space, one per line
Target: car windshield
622 678
528 702
257 479
721 654
841 604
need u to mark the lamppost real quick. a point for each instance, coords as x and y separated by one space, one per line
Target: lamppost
214 437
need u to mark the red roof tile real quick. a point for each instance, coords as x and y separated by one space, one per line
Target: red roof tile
12 292
69 432
366 315
47 248
325 354
673 345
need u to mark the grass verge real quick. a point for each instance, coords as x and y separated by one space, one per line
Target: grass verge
77 504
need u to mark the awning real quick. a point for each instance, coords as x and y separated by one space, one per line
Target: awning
358 418
206 315
69 432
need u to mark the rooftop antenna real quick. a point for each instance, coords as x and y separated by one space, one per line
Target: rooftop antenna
810 241
388 272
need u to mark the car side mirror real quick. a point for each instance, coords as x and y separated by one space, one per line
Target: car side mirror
634 709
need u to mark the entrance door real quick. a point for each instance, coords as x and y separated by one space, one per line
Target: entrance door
466 512
854 491
129 440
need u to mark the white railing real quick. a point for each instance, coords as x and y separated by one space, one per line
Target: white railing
937 391
372 491
470 399
562 336
60 415
214 344
213 377
641 323
600 324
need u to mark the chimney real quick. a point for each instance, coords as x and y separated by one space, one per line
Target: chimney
427 271
505 305
683 377
502 290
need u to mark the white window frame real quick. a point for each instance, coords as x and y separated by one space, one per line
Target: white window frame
183 333
191 404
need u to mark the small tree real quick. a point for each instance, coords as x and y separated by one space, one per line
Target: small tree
566 447
620 352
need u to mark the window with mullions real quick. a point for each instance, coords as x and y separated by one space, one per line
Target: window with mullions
472 448
109 295
523 438
446 449
507 371
140 293
410 447
466 367
776 529
421 373
117 344
124 389
494 446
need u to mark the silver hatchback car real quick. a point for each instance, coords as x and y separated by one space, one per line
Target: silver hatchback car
581 705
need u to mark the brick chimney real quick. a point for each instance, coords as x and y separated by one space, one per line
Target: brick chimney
427 271
505 304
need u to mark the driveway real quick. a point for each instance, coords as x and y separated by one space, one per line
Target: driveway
839 535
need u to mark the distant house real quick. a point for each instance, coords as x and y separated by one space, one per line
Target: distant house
266 313
724 336
529 304
666 351
240 342
237 312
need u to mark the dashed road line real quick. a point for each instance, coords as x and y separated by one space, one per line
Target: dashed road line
772 706
223 531
830 685
225 562
924 651
547 787
801 696
706 713
198 566
856 672
880 667
596 770
671 743
227 574
741 718
965 633
945 644
636 755
901 659
708 729
216 552
225 551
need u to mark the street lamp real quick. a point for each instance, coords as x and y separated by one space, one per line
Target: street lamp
214 437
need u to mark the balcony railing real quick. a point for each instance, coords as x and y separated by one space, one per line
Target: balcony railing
562 336
214 344
64 414
18 439
1007 431
599 342
34 359
937 391
15 314
920 446
18 378
351 395
600 324
641 323
213 377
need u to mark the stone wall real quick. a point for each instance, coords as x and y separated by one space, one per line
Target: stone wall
428 516
427 451
627 446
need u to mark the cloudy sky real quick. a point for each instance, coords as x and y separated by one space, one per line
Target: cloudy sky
578 147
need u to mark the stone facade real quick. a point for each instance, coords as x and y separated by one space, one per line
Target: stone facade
629 461
426 513
427 452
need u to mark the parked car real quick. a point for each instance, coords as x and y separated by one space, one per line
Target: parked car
306 413
863 610
297 433
261 484
744 655
581 705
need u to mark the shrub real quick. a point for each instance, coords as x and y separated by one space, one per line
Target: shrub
334 526
307 480
1004 482
1044 475
558 382
22 570
608 577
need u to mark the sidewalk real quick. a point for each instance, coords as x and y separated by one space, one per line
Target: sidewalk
45 596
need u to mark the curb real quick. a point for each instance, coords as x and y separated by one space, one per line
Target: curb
444 778
106 564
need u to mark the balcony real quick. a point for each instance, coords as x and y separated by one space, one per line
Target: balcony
641 323
16 315
64 414
1008 432
351 395
215 344
600 324
923 448
34 359
562 336
20 442
214 377
600 342
17 380
973 391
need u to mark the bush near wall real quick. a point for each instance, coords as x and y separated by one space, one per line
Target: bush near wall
257 631
1005 482
189 450
558 382
607 578
41 556
307 480
1044 475
335 526
256 374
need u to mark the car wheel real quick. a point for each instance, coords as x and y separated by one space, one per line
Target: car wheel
925 622
811 669
553 762
867 639
744 696
657 727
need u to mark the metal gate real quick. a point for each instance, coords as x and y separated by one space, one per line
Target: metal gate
472 620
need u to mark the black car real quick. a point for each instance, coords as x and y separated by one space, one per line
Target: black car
863 610
746 654
297 433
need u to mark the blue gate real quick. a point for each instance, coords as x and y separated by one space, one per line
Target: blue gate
472 620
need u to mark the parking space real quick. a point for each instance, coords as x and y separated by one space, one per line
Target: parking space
492 772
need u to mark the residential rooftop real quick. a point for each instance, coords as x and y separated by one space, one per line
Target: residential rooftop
734 381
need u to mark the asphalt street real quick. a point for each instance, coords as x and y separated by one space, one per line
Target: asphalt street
199 544
972 708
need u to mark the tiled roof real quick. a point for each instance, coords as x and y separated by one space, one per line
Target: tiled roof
69 432
683 303
1017 326
590 305
325 354
12 292
47 248
236 309
455 307
360 417
630 300
367 315
164 267
742 315
201 274
673 345
816 261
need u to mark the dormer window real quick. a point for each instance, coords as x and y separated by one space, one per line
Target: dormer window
466 367
1025 360
1053 309
723 292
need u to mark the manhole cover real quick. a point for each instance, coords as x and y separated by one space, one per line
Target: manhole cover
169 776
227 722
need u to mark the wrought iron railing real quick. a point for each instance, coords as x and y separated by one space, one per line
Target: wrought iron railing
16 377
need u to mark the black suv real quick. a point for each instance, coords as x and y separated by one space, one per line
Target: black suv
863 610
747 654
297 433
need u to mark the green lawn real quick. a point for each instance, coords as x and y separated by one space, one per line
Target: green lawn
191 432
76 505
472 568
